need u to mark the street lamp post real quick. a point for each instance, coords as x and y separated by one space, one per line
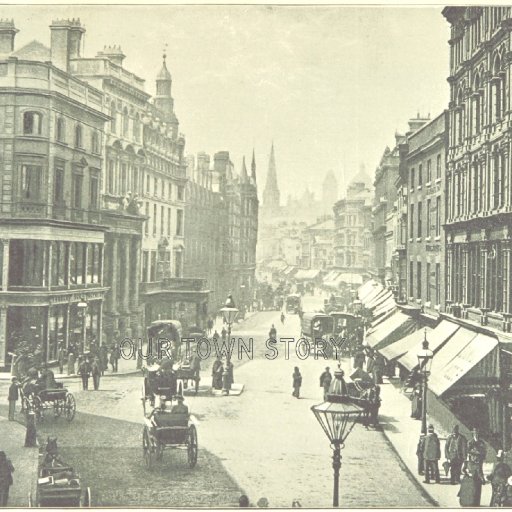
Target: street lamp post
82 305
425 356
230 313
337 417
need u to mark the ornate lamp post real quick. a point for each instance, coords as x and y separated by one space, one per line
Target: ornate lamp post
82 307
337 417
230 313
425 356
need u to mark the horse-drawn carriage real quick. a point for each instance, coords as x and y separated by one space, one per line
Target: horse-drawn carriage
167 427
58 484
40 394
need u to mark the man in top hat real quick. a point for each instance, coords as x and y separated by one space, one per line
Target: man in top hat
455 452
180 407
477 444
431 455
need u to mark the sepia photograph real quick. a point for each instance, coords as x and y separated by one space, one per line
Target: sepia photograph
255 256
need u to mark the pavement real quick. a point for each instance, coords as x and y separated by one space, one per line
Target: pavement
24 460
398 426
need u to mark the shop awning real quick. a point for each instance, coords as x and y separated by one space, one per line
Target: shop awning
388 305
400 347
381 318
305 275
444 331
457 357
289 271
390 330
367 288
331 275
379 301
349 278
372 295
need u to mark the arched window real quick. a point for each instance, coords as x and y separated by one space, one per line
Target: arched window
476 106
460 117
95 143
60 134
113 113
32 123
125 122
496 91
78 136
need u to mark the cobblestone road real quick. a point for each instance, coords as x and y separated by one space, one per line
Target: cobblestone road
264 441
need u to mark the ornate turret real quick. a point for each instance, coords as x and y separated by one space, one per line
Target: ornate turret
253 168
163 99
244 178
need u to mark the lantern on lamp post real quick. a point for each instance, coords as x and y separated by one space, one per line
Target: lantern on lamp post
337 417
425 356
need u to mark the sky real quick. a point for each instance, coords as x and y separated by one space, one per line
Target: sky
329 85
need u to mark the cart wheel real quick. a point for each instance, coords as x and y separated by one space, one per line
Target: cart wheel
86 500
30 501
70 407
192 446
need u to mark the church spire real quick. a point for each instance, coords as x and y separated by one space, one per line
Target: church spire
163 99
244 176
271 194
253 168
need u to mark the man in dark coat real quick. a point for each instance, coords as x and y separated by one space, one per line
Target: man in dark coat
455 452
217 371
419 453
471 485
431 455
476 443
13 397
325 381
378 368
84 370
359 359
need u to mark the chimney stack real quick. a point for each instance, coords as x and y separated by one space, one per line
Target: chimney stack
113 54
7 33
66 38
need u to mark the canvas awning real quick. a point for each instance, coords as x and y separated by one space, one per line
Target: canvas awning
349 278
372 295
305 275
378 301
378 320
400 347
330 276
388 305
390 330
367 288
457 357
443 331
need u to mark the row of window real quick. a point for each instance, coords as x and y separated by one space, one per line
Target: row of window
480 188
429 175
33 125
432 281
31 186
150 263
120 123
433 218
161 216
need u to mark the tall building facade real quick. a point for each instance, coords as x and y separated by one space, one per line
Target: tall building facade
425 205
478 178
53 235
353 227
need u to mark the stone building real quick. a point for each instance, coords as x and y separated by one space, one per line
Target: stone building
317 245
425 160
383 202
53 231
353 227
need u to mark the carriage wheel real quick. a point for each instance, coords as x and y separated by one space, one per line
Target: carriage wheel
85 501
147 449
70 407
192 446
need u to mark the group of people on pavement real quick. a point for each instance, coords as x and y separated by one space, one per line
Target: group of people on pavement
464 461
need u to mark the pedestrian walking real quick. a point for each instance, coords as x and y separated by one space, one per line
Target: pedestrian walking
431 455
216 335
13 397
370 362
378 368
375 402
325 381
470 491
61 356
96 373
6 480
455 451
416 402
501 472
84 370
71 362
115 354
476 443
217 372
282 318
103 356
359 360
272 334
297 382
419 453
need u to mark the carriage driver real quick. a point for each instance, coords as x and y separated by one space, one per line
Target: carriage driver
180 407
